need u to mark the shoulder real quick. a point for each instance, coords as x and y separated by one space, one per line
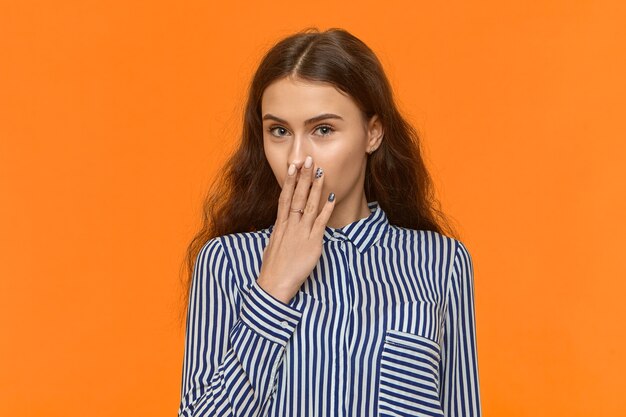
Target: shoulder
244 240
429 240
211 249
232 259
462 271
450 252
225 244
462 253
241 251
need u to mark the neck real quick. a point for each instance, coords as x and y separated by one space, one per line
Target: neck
349 210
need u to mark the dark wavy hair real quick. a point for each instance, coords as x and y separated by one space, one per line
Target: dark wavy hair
245 197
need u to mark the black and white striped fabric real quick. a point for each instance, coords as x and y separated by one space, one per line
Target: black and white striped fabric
383 326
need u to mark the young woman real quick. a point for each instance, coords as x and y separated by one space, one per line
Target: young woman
323 282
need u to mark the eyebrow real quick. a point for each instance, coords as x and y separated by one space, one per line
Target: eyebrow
306 122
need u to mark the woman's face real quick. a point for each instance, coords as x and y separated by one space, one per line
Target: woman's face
303 118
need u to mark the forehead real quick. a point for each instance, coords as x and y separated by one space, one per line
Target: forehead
300 99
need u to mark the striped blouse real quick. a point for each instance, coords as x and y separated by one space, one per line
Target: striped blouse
383 326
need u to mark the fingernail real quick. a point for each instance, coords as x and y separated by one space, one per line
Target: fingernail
331 197
318 172
292 169
308 162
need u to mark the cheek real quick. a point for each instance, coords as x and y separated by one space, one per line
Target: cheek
280 176
343 172
336 170
343 162
275 162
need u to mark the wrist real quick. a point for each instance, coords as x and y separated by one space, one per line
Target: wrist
282 294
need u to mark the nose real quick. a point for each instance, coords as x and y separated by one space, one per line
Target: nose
298 153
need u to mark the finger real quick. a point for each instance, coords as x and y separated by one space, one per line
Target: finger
284 199
313 202
317 231
301 192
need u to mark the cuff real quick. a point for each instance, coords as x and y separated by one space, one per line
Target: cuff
269 316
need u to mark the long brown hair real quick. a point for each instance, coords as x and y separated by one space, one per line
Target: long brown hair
245 197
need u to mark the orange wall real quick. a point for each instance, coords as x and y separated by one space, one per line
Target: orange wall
114 117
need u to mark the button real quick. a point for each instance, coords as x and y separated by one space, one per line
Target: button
284 324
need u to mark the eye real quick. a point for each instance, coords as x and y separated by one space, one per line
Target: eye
326 130
329 129
272 128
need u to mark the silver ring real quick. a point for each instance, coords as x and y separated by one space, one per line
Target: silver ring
297 211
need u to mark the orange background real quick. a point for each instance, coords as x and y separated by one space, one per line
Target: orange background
115 116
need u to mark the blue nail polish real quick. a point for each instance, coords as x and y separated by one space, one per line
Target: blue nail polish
331 197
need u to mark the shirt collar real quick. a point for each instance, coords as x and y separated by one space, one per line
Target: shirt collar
362 233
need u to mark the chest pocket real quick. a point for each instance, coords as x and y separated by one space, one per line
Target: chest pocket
409 376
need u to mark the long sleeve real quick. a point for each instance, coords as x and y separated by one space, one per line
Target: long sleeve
460 389
232 355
